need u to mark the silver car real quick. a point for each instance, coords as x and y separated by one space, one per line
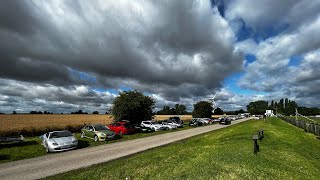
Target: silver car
56 141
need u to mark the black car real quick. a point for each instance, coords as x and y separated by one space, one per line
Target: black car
225 121
176 119
195 122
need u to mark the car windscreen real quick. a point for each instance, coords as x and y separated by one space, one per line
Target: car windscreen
155 122
60 134
100 127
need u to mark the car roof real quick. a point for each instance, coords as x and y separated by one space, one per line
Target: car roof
59 131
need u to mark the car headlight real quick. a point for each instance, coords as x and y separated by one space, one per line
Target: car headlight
55 144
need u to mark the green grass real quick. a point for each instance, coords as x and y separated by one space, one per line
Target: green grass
32 146
286 152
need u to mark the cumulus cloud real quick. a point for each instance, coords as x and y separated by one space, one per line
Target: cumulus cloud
272 14
26 97
176 49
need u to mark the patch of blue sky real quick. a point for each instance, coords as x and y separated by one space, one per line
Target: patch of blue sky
231 84
220 5
295 60
112 90
250 58
247 32
83 75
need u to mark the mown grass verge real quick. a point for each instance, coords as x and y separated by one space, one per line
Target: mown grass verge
286 152
32 146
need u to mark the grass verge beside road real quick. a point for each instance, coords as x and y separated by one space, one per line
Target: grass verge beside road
286 152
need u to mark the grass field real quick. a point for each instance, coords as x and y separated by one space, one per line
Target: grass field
286 152
36 124
32 146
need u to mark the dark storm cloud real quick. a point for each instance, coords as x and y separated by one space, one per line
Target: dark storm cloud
175 48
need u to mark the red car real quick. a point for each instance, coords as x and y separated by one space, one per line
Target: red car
122 128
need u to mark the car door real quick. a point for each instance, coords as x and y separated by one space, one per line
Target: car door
90 132
45 139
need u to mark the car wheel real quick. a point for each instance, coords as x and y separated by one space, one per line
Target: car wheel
96 139
82 135
120 133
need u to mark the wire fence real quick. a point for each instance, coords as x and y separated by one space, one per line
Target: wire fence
311 127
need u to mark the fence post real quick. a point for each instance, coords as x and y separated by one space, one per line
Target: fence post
255 144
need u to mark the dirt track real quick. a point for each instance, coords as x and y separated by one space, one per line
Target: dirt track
52 164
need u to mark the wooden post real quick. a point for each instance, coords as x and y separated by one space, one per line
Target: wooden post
255 144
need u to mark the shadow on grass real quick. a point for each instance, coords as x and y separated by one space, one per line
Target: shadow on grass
17 144
82 144
4 157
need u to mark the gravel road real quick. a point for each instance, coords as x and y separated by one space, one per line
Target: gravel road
56 163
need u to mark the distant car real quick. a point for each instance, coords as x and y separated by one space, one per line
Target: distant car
122 127
177 120
171 122
195 122
169 126
142 128
56 141
155 126
225 121
97 132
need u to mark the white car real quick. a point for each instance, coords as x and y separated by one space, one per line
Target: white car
172 123
56 141
155 126
204 121
169 126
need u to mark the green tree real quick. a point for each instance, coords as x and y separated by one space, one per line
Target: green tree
241 111
257 107
95 112
133 106
218 111
180 109
272 104
202 109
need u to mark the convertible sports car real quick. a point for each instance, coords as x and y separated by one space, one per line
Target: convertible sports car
59 141
97 132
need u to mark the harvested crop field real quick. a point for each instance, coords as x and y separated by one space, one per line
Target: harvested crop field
26 121
42 122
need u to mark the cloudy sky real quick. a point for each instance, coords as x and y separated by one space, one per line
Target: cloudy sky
62 56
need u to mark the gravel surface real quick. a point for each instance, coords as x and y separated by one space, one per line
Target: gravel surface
56 163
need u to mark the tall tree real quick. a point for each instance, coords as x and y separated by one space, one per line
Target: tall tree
218 111
202 109
257 107
180 109
133 106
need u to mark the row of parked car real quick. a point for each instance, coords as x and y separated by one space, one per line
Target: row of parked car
64 140
56 141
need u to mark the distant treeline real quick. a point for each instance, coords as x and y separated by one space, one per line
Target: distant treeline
47 112
284 106
40 112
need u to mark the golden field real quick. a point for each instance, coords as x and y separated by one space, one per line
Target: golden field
18 122
42 122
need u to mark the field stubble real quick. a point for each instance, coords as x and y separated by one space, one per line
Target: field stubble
36 124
